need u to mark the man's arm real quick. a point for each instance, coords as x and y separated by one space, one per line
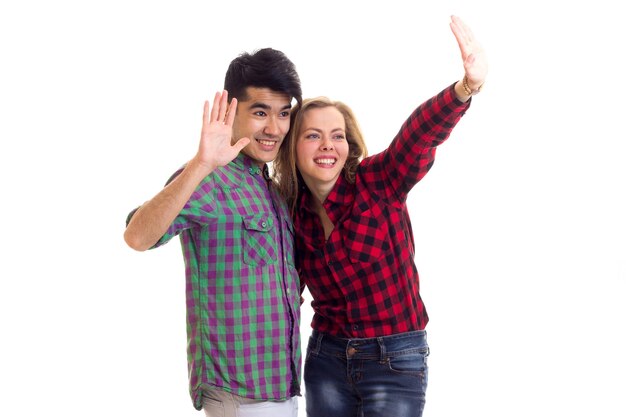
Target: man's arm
150 222
152 219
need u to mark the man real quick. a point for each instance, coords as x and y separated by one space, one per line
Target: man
242 287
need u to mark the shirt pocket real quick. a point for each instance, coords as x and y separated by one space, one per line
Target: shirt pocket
259 240
367 237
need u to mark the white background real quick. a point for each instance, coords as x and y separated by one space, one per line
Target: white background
519 226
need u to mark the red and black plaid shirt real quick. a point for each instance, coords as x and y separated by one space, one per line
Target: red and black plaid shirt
363 279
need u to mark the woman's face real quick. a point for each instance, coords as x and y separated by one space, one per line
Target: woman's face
321 147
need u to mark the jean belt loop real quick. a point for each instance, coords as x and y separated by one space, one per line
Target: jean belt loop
383 349
318 344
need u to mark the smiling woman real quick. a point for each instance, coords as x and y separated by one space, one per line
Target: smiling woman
321 145
355 247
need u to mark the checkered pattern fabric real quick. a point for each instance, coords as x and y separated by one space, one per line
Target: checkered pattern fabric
363 279
242 287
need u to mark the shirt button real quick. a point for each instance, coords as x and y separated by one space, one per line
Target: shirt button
355 327
263 224
288 290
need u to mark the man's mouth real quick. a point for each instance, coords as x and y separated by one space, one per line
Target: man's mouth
266 142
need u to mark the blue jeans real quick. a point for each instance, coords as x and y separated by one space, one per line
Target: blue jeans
382 376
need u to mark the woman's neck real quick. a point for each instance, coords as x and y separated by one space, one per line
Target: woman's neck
319 191
317 204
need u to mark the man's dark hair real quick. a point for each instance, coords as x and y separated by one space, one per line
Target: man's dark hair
264 68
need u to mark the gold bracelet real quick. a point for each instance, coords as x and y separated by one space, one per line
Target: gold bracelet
467 88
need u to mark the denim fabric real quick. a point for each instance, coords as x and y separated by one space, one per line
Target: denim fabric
374 377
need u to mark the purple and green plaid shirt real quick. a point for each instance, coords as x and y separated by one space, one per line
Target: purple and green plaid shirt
243 294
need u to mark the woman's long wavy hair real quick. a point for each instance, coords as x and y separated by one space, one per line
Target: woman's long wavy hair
286 174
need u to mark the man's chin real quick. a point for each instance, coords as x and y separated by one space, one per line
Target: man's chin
261 156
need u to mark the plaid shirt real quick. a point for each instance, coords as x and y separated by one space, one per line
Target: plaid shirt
363 279
243 293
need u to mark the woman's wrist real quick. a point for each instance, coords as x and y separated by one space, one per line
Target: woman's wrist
464 91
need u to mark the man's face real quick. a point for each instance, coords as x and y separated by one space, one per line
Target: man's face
264 118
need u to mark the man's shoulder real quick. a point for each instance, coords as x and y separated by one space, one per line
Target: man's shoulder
228 176
231 175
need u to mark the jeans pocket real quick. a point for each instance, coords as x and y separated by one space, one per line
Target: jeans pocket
212 408
410 363
310 350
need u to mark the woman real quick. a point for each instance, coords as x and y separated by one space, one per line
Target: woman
354 246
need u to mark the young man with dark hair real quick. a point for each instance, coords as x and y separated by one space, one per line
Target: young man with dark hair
242 289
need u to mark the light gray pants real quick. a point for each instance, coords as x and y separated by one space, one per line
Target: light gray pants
218 403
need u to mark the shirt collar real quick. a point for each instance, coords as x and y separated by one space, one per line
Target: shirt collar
247 164
341 195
